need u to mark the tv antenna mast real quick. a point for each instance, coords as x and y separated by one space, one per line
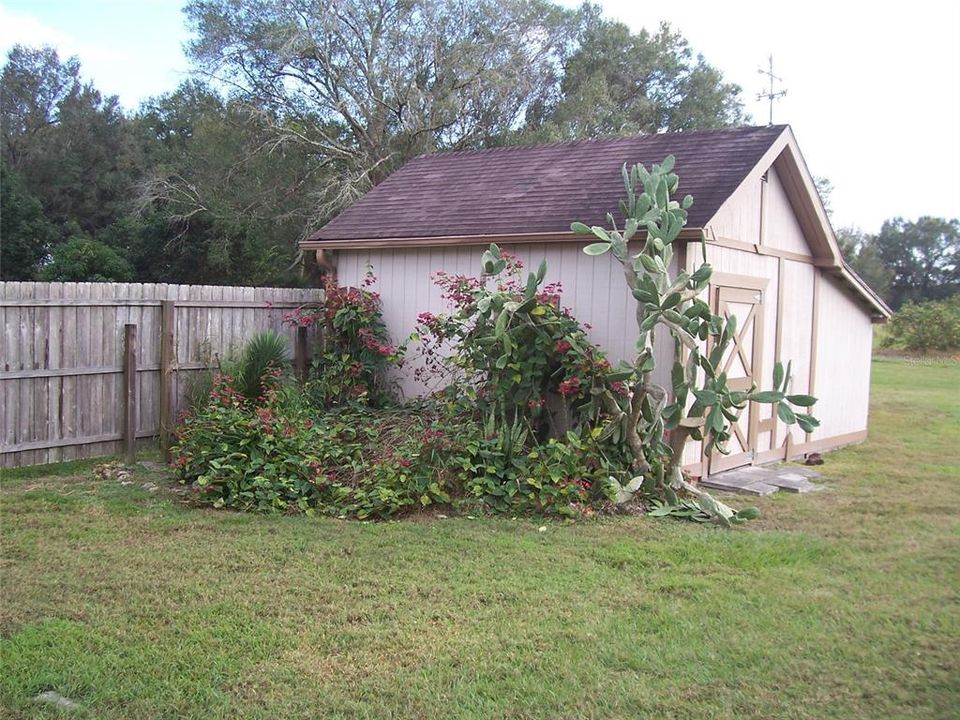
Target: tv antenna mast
770 94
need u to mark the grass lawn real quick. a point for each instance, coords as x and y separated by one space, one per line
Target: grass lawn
840 604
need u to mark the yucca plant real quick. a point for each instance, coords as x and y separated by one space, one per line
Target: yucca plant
264 352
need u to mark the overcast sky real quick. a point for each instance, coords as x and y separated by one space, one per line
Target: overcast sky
873 89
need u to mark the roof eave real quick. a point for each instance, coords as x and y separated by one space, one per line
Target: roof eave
397 243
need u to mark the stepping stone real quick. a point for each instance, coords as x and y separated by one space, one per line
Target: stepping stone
738 484
760 487
792 483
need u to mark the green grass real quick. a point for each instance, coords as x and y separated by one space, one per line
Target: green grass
841 604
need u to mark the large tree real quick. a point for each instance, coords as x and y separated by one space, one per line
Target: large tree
221 203
923 256
67 143
366 84
618 82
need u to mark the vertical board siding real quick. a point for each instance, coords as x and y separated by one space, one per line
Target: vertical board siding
72 406
593 289
782 229
796 338
842 380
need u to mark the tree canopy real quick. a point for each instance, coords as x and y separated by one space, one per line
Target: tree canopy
298 107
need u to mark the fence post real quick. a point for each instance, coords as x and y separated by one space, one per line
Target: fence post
130 384
300 354
168 319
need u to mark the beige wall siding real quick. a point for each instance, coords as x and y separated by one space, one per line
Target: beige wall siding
782 231
593 288
739 217
796 333
842 377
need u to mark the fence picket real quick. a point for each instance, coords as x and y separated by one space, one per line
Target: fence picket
61 395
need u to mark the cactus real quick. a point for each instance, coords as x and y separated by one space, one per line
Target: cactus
701 405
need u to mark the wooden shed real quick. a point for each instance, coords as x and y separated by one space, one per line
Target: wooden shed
776 262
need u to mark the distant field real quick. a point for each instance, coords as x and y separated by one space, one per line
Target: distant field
840 604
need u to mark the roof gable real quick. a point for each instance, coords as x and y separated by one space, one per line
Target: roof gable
541 189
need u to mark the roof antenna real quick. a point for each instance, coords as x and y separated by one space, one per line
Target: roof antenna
770 95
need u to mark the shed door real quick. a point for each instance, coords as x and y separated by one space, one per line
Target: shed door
741 363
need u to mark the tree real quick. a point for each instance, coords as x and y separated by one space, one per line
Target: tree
216 207
923 256
367 84
617 82
67 144
861 253
702 404
84 259
25 234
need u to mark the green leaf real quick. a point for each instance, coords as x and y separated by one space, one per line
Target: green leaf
778 375
802 400
648 263
501 324
667 165
598 248
531 288
671 300
579 228
542 270
786 414
767 396
807 422
706 397
747 513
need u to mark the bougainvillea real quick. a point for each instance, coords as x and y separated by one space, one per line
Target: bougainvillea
355 353
513 349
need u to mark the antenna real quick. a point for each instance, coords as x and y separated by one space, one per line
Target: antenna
770 95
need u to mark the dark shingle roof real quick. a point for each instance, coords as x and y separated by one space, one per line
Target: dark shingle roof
543 188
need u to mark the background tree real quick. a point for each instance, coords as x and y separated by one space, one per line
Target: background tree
364 85
617 82
84 259
860 251
25 234
923 257
67 144
220 200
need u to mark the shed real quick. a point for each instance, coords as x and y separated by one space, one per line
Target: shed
776 262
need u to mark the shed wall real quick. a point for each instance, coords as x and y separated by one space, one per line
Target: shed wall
593 288
842 372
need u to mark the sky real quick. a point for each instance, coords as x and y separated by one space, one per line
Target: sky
873 89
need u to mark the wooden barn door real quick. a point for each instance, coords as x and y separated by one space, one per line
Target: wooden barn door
741 296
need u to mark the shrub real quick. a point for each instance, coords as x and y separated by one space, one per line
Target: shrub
920 328
264 353
352 363
271 454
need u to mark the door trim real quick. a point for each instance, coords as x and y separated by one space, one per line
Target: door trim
749 286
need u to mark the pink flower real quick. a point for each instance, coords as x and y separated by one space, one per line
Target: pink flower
536 404
562 346
618 388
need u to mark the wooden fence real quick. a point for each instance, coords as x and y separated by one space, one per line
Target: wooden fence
68 385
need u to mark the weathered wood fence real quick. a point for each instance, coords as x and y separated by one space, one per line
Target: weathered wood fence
80 362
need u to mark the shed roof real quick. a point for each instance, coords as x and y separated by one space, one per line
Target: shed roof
539 189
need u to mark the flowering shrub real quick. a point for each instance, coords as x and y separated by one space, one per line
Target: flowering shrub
515 351
356 352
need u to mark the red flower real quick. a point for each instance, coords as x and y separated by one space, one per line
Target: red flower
536 404
571 386
562 346
618 388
